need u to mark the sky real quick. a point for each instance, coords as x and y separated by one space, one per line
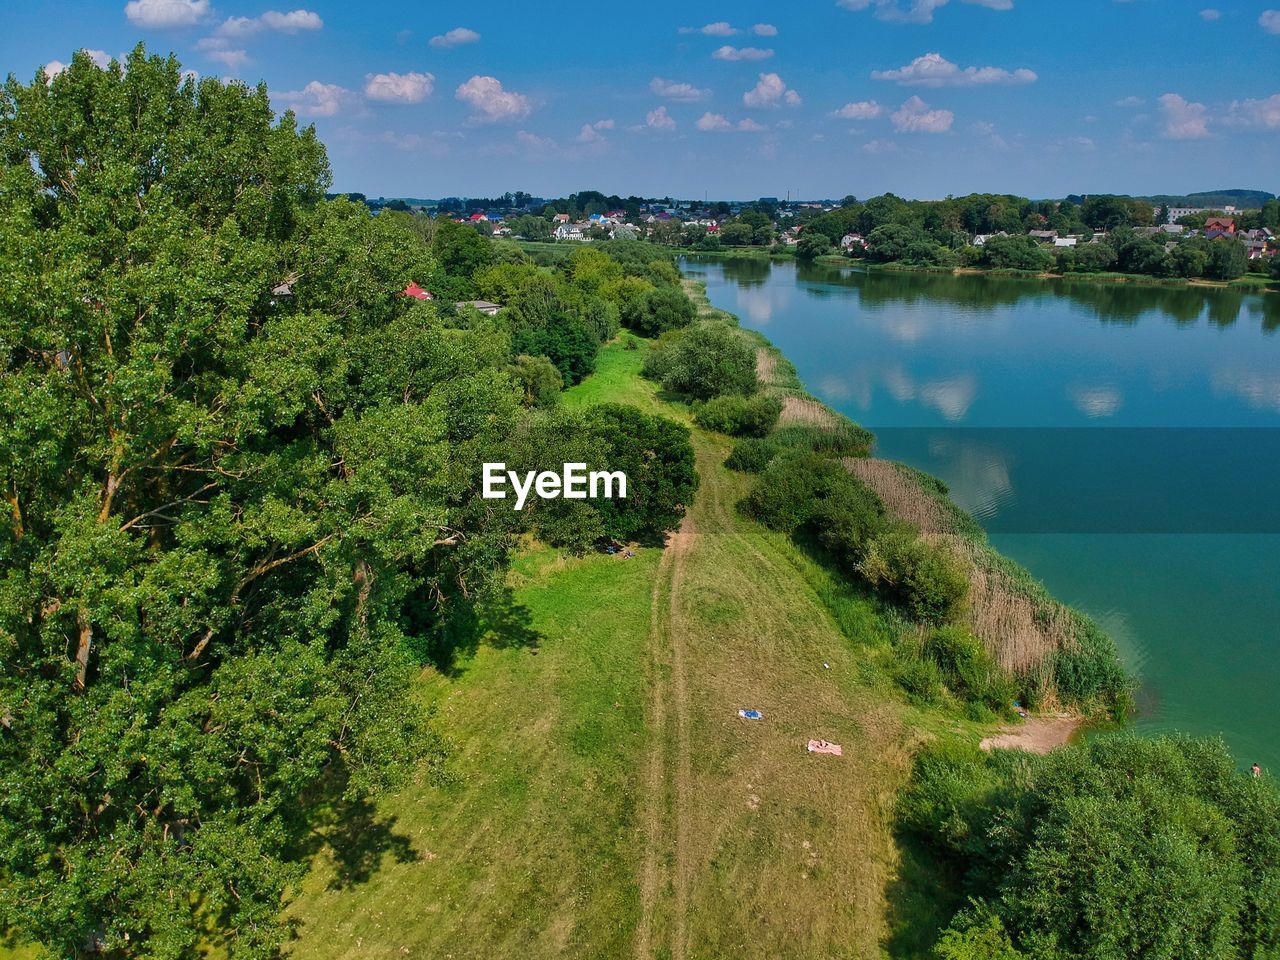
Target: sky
731 100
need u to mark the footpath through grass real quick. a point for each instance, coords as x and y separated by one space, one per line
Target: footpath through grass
606 799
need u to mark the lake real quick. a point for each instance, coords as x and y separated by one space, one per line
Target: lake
1118 440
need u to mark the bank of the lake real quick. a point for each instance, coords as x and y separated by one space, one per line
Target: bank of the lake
981 380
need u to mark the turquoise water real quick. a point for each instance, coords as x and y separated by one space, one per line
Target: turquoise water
1120 441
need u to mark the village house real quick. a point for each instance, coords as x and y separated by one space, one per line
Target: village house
569 231
482 306
1216 228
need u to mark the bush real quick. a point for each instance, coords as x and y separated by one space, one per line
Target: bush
848 519
968 669
1119 847
1017 252
658 310
751 456
845 439
565 341
979 938
539 379
924 577
922 679
708 360
787 494
739 416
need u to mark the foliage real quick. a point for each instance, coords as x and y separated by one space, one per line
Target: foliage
233 515
709 359
657 310
812 245
539 378
751 455
739 416
460 249
1119 847
655 454
1019 252
925 577
982 938
565 341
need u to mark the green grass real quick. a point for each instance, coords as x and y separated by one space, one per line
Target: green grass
606 799
530 850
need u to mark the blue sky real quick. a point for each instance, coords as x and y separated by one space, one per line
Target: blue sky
735 99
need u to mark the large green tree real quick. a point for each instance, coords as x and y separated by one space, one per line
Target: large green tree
238 479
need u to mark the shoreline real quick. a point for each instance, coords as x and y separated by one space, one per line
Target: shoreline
1053 725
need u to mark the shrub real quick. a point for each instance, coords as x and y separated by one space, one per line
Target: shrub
540 380
751 456
969 671
978 938
924 577
658 310
739 416
708 360
786 495
845 439
565 341
948 799
848 519
922 679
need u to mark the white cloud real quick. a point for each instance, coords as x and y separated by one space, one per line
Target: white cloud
454 38
713 121
879 146
219 50
54 67
659 120
316 99
533 143
592 132
1184 120
394 87
915 11
681 92
719 123
720 28
160 14
1270 21
914 116
765 30
860 110
934 70
1256 114
292 22
771 91
1210 14
491 103
741 53
1130 102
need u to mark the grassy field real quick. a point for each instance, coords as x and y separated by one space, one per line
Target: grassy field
607 801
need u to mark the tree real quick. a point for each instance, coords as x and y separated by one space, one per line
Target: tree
708 360
812 246
237 471
658 310
460 249
540 379
1017 252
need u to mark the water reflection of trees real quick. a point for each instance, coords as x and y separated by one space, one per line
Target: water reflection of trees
1123 303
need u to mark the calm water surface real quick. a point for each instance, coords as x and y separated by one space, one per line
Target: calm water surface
1119 441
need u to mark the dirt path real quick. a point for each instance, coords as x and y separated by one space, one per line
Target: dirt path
750 847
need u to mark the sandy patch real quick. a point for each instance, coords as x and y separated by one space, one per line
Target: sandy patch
1035 734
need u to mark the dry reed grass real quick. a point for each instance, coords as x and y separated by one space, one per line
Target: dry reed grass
799 412
1021 633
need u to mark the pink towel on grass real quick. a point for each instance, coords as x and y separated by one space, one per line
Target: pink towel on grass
821 746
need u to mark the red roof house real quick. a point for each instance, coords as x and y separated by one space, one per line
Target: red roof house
415 291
